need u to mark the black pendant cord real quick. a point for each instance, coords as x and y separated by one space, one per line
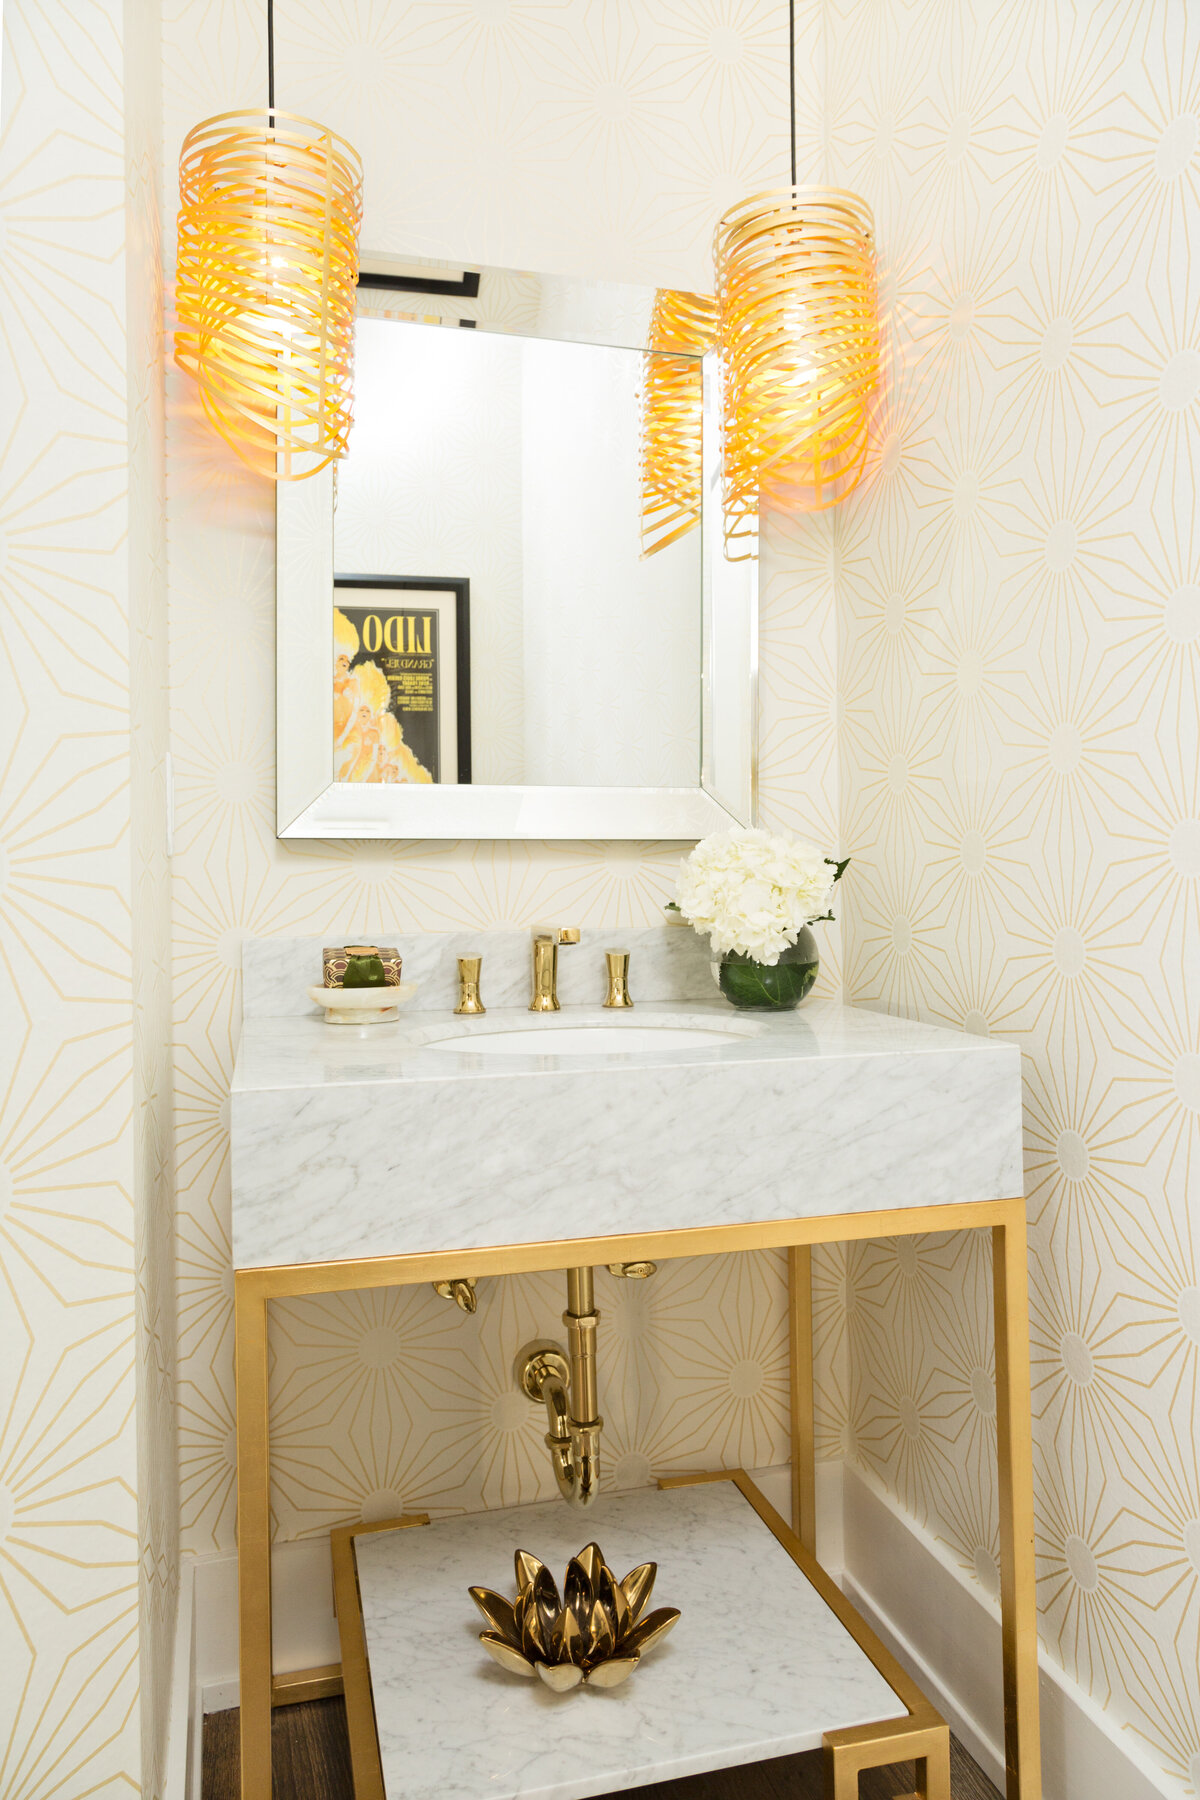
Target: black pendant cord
791 80
271 67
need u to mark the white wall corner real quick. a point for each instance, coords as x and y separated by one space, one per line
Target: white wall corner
946 1632
776 1485
181 1775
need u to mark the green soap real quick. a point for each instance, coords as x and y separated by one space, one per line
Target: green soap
364 971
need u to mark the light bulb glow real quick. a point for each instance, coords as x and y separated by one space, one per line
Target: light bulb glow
796 289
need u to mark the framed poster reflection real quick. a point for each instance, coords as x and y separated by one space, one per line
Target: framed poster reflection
401 679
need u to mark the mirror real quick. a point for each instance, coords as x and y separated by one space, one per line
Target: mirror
471 642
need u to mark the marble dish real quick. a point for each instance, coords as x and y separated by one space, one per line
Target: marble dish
363 1005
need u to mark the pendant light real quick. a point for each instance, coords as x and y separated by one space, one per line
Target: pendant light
269 217
796 293
672 415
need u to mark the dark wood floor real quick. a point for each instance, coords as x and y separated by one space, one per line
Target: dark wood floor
312 1762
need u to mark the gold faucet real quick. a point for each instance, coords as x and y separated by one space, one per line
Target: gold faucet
545 967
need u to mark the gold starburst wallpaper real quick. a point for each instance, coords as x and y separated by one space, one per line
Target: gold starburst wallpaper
979 678
1019 664
88 1509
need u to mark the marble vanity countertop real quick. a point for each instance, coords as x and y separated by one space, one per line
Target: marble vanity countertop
370 1141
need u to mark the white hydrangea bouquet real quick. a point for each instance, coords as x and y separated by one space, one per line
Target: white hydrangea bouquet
753 895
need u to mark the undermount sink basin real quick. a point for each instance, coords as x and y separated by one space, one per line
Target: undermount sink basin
586 1040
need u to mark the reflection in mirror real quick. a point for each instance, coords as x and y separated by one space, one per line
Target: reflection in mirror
401 679
470 643
510 463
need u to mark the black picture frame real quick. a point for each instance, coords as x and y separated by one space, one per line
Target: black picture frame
460 586
465 288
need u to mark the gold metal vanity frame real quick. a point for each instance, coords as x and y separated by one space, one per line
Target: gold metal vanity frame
846 1752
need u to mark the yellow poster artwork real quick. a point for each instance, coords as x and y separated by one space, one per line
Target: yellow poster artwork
368 737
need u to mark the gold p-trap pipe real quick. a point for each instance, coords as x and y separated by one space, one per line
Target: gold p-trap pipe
581 1320
567 1387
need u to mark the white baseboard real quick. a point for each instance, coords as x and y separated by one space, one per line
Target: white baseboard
303 1626
950 1644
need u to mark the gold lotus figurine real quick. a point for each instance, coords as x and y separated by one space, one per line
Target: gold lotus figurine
597 1633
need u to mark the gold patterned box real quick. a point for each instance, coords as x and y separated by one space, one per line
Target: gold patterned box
335 963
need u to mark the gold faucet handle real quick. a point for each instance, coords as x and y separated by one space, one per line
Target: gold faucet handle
618 978
567 934
468 985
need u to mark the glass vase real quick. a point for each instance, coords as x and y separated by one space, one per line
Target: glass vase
777 987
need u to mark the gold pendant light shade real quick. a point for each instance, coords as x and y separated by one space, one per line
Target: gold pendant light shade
270 210
796 290
672 415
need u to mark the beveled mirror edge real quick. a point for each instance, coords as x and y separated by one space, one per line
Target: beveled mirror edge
311 805
303 646
505 301
560 814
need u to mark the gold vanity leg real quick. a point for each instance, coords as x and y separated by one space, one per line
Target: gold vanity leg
841 1775
804 1447
923 1740
1014 1443
933 1770
253 1536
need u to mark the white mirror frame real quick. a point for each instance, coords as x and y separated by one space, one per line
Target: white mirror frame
311 804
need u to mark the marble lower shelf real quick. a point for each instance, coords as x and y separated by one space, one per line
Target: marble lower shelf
758 1665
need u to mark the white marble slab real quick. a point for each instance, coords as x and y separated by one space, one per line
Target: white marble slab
370 1141
667 962
756 1667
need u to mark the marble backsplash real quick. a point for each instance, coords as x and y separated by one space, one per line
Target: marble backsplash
666 962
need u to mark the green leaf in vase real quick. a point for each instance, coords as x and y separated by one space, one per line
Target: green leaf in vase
755 987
